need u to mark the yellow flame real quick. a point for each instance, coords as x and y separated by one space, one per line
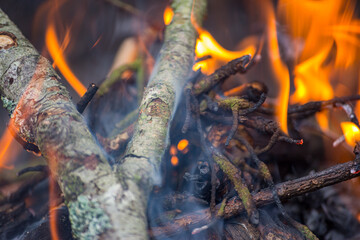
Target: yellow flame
280 71
168 15
351 133
327 40
55 51
207 45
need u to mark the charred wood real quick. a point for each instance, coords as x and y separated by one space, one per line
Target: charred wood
285 190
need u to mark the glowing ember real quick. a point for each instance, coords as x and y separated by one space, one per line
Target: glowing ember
351 132
182 145
168 15
174 160
173 150
55 51
97 42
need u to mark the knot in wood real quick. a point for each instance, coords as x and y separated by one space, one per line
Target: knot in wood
7 40
158 107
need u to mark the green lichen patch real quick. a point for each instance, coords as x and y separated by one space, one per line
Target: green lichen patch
72 187
88 219
8 104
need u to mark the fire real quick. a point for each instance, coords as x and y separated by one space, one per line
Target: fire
182 145
174 161
173 150
54 48
54 231
206 45
168 15
351 133
280 70
324 33
6 142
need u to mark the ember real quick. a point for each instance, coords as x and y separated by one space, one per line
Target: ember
202 120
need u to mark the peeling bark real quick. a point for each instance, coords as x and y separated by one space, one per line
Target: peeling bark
42 113
102 203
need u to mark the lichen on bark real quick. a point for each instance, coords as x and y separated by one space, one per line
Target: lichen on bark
103 203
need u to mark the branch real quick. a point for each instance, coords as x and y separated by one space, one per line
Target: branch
139 168
312 107
102 204
42 113
285 190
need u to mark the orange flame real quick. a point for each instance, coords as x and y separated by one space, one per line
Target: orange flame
280 71
326 40
6 142
52 210
207 45
351 133
168 15
55 51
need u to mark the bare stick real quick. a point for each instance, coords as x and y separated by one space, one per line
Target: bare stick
84 101
312 107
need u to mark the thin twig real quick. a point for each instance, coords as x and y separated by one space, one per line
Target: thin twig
271 143
231 68
38 168
312 107
285 190
86 98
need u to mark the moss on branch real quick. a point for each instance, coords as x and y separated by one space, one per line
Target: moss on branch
42 113
162 93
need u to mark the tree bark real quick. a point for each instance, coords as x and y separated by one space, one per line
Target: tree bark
102 202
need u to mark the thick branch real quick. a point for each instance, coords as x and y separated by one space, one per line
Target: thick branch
100 203
139 168
42 113
285 190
